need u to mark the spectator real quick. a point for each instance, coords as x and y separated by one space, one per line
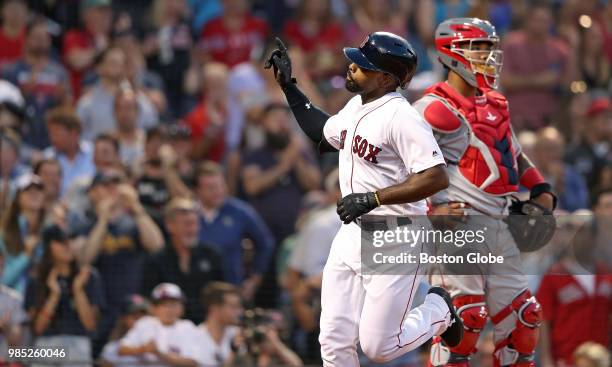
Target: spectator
592 355
576 300
131 136
12 317
167 48
184 260
593 65
588 157
105 157
74 155
12 34
567 183
10 166
50 174
134 308
207 120
306 262
43 82
602 207
605 24
231 37
536 69
605 177
179 140
225 222
20 232
160 179
374 16
11 107
146 82
106 153
260 344
96 107
82 46
319 36
223 309
276 176
117 232
163 339
64 300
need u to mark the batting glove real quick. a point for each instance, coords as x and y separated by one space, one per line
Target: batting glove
280 62
353 206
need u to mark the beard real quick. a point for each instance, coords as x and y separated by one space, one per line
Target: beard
276 141
352 86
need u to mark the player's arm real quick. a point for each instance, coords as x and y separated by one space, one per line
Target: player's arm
417 187
540 191
310 118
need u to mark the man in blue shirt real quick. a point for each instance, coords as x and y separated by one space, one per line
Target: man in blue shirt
75 156
225 221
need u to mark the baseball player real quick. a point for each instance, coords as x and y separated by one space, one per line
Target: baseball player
471 123
389 163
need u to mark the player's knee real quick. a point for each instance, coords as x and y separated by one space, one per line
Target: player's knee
375 349
335 341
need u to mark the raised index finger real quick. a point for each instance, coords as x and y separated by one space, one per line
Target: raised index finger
280 45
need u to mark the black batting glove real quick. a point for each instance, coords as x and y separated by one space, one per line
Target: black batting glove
280 63
353 206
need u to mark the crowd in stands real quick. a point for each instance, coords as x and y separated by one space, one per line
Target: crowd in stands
160 206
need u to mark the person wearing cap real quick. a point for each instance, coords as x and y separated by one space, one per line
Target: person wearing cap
81 46
75 155
118 234
105 158
65 300
134 307
589 156
184 260
20 228
163 338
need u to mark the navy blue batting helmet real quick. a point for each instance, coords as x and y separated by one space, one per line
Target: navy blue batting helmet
385 52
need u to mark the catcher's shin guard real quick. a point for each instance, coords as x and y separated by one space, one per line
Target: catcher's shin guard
518 348
473 313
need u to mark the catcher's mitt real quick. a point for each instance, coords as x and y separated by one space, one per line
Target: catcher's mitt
530 224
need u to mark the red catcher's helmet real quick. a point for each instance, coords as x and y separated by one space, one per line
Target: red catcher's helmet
456 43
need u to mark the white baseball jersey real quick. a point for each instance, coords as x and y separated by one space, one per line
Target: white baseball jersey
381 144
178 338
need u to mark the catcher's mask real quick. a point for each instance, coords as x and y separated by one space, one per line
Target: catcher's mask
470 47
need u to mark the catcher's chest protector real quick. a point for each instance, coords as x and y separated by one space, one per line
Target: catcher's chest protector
487 159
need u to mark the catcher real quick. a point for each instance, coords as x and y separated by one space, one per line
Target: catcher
471 123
